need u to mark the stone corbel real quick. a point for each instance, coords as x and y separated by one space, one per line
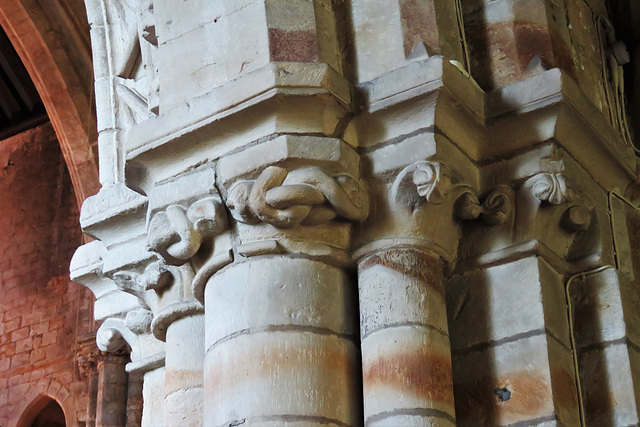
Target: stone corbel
305 196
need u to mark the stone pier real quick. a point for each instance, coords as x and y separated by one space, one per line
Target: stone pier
360 214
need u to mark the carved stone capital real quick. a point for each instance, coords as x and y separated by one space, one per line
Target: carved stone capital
176 233
186 228
495 208
554 189
424 181
551 188
135 282
87 365
133 333
306 196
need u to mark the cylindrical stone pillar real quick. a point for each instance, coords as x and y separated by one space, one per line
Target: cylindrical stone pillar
134 400
92 403
406 355
152 391
183 381
112 390
280 345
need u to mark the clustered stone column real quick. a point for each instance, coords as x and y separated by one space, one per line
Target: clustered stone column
312 214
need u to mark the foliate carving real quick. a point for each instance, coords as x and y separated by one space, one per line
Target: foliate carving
155 276
139 321
495 208
467 206
422 180
176 234
110 339
550 187
87 365
554 188
306 196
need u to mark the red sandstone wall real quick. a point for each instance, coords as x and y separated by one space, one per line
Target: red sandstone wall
42 313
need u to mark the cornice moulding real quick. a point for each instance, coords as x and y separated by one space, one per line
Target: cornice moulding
494 125
276 78
113 203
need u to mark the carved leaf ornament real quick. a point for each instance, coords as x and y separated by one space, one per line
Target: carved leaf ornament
550 187
430 181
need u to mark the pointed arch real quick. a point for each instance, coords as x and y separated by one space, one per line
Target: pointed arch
38 397
54 47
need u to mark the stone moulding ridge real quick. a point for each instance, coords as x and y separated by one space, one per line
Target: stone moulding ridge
255 87
555 99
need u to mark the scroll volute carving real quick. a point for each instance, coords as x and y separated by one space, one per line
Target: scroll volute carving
494 209
305 196
432 183
420 183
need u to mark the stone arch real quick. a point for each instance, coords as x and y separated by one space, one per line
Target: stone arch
40 396
56 52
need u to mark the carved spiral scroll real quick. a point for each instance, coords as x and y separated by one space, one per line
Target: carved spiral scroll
495 209
422 180
307 196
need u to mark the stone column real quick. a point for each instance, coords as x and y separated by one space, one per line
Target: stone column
406 357
112 390
147 362
512 346
606 346
183 381
88 369
185 215
134 400
281 320
406 354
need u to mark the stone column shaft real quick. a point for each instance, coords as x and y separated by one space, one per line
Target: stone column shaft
406 356
92 404
112 391
152 396
280 345
512 360
134 400
183 380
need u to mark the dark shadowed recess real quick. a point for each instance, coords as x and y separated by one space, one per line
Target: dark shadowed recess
20 105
